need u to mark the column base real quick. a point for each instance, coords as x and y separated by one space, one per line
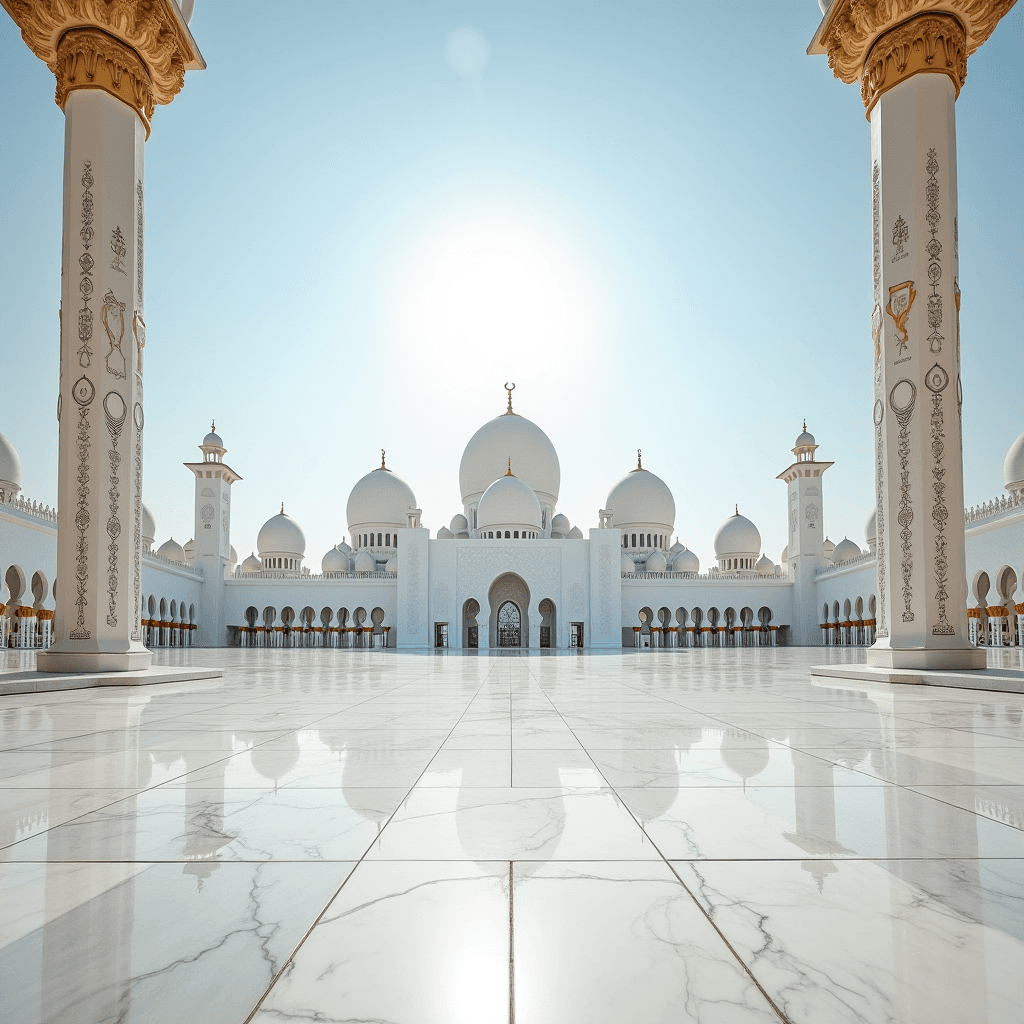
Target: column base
922 658
93 661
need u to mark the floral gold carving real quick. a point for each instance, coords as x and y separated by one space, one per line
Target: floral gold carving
851 29
137 49
901 301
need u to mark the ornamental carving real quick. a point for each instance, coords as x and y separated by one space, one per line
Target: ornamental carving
850 30
929 42
149 31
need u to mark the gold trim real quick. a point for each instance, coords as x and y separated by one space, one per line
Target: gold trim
88 58
152 29
934 43
850 29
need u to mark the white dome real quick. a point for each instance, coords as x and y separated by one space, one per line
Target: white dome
365 562
509 501
514 437
676 548
575 533
1013 465
737 536
828 547
148 526
459 524
686 561
871 528
656 562
344 547
641 497
626 563
334 561
560 524
381 497
10 467
765 566
445 534
281 535
805 440
171 550
845 550
212 439
252 564
190 550
784 557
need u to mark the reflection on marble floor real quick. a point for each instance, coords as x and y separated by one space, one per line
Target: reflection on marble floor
651 836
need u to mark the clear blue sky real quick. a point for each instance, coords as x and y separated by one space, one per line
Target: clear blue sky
652 216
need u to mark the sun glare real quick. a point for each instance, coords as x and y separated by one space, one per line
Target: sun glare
491 289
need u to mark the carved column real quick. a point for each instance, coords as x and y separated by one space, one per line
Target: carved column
910 59
113 62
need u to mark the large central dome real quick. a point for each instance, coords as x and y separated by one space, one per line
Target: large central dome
510 436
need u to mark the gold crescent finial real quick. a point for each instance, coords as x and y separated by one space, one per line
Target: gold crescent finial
510 473
737 509
382 466
639 464
509 389
282 508
805 424
213 427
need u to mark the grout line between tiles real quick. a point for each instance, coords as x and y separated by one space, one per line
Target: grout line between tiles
511 947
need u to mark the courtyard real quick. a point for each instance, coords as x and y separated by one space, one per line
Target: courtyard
647 836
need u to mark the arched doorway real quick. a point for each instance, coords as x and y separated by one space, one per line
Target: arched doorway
510 622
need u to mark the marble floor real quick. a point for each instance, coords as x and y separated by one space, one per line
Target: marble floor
646 837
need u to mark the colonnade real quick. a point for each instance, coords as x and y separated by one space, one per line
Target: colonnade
335 637
706 636
26 628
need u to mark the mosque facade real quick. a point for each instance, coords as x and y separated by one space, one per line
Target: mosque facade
509 570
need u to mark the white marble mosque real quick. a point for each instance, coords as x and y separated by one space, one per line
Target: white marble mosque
512 770
510 570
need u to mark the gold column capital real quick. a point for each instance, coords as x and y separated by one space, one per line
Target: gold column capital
137 50
882 42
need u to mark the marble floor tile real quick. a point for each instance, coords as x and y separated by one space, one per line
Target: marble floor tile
914 942
611 942
572 768
406 943
468 768
155 943
507 824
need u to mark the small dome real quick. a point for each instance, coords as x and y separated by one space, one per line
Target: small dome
560 524
828 547
509 436
737 536
344 547
365 562
252 564
1013 466
575 533
871 528
844 551
626 563
765 566
656 562
509 501
190 550
805 440
445 534
784 557
676 548
171 550
281 534
459 524
334 561
233 556
148 526
392 565
10 467
686 561
381 497
213 439
641 497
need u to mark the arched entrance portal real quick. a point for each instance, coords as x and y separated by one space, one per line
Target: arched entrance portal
509 625
508 622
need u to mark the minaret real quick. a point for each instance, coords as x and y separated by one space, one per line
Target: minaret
910 60
806 509
214 478
113 63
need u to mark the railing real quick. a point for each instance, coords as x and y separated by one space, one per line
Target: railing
997 507
29 508
850 563
183 566
318 578
721 577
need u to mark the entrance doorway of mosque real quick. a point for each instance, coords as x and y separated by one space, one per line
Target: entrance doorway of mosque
509 625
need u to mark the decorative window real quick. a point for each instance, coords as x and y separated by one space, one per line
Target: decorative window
506 535
515 534
634 540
